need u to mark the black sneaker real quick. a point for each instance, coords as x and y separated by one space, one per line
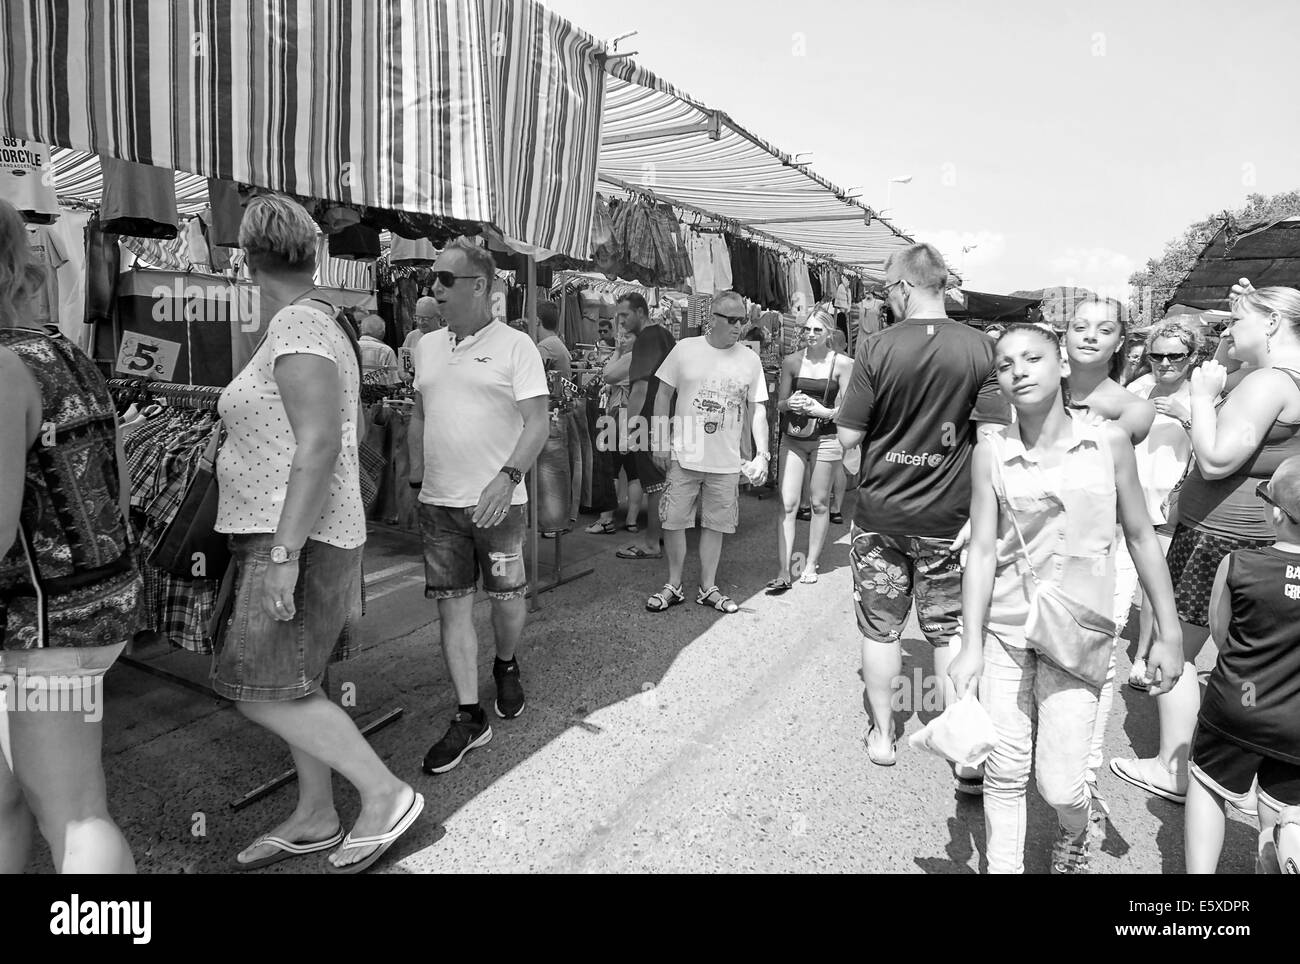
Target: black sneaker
462 736
804 515
510 695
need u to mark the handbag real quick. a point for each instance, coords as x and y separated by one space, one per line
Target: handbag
806 426
1061 628
190 546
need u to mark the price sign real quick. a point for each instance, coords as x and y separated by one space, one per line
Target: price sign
147 357
406 361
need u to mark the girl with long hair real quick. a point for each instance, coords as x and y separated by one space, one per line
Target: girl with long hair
1067 485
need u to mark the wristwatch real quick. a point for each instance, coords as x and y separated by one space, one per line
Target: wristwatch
280 555
516 476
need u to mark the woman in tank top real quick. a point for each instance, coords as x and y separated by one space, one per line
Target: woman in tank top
69 583
1237 443
1094 342
812 383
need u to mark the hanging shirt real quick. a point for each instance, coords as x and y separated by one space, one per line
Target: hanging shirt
378 357
139 200
27 179
50 253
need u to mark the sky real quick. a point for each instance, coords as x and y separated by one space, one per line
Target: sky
1063 142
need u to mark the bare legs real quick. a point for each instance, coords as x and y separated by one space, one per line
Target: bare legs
460 640
57 783
793 467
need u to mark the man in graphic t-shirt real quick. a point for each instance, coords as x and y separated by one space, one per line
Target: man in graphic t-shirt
917 391
715 380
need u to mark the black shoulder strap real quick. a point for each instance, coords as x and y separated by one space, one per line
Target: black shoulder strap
335 313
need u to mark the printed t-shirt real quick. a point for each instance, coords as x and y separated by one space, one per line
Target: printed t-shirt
714 387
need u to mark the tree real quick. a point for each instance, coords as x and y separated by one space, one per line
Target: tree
1155 284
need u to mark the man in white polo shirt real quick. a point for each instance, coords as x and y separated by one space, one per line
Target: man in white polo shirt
479 422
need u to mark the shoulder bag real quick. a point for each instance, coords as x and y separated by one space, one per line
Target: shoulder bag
1062 629
800 426
190 546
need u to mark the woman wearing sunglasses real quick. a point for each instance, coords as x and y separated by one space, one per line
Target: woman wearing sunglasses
1236 443
1172 348
812 382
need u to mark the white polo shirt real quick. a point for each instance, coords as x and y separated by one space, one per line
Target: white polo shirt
472 423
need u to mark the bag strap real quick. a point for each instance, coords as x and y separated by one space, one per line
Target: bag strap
1000 485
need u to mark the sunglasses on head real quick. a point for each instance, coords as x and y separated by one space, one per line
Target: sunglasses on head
1261 490
1173 357
448 278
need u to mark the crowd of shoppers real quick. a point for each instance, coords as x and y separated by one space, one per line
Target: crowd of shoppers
1010 485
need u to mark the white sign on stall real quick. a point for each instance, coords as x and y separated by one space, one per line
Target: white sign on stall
147 357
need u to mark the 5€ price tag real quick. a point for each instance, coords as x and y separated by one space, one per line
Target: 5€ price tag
147 357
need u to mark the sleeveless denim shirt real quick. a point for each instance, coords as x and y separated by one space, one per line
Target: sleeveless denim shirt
1068 516
70 578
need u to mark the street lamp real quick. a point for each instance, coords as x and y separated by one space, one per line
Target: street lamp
889 191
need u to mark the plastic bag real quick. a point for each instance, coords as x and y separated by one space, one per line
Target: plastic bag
963 733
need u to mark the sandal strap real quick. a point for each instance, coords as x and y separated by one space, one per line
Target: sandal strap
721 604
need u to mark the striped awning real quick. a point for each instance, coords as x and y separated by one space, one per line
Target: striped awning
480 110
657 139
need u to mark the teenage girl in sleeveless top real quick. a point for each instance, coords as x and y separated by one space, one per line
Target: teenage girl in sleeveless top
1236 444
1070 484
1094 342
812 383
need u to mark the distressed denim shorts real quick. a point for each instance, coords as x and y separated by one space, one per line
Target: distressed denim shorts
260 659
456 552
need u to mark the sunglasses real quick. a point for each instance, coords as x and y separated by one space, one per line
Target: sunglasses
448 278
1173 357
1261 490
731 319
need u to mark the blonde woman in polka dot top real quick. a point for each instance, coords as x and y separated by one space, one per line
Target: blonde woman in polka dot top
291 501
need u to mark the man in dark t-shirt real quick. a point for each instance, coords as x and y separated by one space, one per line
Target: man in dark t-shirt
917 390
653 343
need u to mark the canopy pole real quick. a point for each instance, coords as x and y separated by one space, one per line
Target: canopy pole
530 312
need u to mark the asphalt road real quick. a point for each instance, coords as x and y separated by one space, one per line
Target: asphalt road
682 741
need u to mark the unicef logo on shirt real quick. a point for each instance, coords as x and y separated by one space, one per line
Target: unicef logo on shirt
929 460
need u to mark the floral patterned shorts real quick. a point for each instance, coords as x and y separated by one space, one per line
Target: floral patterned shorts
890 571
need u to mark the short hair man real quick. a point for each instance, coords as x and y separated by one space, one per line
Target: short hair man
375 355
653 345
479 422
555 354
428 317
714 380
605 333
917 390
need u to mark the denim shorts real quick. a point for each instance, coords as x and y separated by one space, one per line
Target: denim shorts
260 659
456 551
890 571
715 494
71 663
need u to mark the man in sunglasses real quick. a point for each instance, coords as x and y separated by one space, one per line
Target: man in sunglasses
479 422
917 390
715 381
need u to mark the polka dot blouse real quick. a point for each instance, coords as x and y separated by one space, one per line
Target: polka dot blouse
253 466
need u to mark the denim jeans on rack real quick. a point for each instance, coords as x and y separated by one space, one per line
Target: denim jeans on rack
554 483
